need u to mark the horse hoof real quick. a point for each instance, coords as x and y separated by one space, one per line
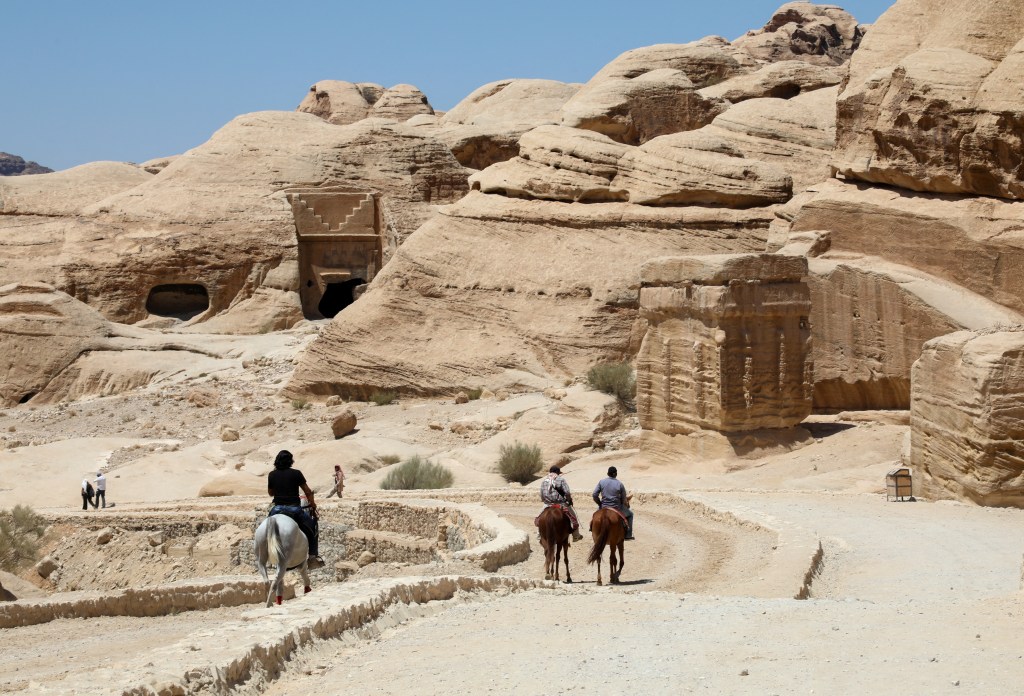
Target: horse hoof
308 589
279 600
568 581
547 576
599 583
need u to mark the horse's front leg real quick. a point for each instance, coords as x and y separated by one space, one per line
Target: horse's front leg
622 560
565 550
599 583
279 581
611 564
304 572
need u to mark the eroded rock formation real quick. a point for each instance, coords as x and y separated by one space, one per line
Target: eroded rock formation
967 418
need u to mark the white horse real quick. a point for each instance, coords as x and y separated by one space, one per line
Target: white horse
279 542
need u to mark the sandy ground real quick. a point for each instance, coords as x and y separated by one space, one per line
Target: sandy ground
911 597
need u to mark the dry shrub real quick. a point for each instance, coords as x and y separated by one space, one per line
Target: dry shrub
383 398
613 378
417 473
20 532
519 463
474 394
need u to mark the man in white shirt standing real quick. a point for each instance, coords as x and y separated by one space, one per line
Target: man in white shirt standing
101 490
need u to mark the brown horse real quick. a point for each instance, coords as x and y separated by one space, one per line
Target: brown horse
606 526
555 528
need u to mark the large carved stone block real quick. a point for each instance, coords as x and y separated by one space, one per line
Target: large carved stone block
728 344
967 417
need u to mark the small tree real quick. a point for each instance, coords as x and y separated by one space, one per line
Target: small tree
20 532
383 398
417 473
519 463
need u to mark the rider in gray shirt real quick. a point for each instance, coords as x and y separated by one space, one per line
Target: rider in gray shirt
609 492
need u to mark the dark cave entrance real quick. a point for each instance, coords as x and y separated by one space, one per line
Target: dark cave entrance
179 300
338 296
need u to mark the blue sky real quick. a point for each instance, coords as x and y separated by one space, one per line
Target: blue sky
115 80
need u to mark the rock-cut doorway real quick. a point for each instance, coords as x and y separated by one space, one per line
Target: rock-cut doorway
338 296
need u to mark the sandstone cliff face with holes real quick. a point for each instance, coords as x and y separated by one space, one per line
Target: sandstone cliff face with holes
537 271
934 100
967 417
216 219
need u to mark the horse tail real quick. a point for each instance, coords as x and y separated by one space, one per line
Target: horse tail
602 538
274 550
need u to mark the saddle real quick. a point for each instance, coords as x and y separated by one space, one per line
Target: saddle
536 520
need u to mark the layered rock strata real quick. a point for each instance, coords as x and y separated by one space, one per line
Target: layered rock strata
967 418
934 100
727 351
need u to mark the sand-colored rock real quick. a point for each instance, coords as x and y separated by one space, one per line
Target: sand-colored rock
820 34
728 344
485 127
340 102
42 331
966 417
401 103
68 191
967 241
933 101
343 423
560 308
783 80
557 163
870 319
697 168
796 134
217 219
633 110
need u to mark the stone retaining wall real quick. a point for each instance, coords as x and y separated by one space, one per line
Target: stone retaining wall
158 600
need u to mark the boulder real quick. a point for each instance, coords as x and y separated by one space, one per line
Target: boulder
805 31
228 434
967 417
343 423
634 110
45 567
42 332
340 102
104 536
400 103
934 102
366 558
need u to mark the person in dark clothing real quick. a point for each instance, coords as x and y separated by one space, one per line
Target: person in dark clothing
283 485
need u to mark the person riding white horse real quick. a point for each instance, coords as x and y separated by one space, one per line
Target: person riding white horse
554 490
283 484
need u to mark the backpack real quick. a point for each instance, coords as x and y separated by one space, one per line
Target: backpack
88 489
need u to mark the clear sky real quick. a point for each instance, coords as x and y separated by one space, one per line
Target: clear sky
118 80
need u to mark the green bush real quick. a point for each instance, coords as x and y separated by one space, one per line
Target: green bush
300 404
383 398
613 378
519 463
20 532
417 473
474 394
390 459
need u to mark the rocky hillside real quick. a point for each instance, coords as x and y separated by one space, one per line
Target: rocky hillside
12 165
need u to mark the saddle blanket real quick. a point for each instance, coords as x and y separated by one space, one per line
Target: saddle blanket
536 520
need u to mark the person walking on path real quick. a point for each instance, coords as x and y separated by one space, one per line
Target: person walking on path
339 482
610 493
101 490
86 493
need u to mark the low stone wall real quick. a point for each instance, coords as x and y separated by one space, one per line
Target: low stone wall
246 654
158 600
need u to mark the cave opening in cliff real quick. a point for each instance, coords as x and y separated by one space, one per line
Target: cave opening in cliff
338 296
178 300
